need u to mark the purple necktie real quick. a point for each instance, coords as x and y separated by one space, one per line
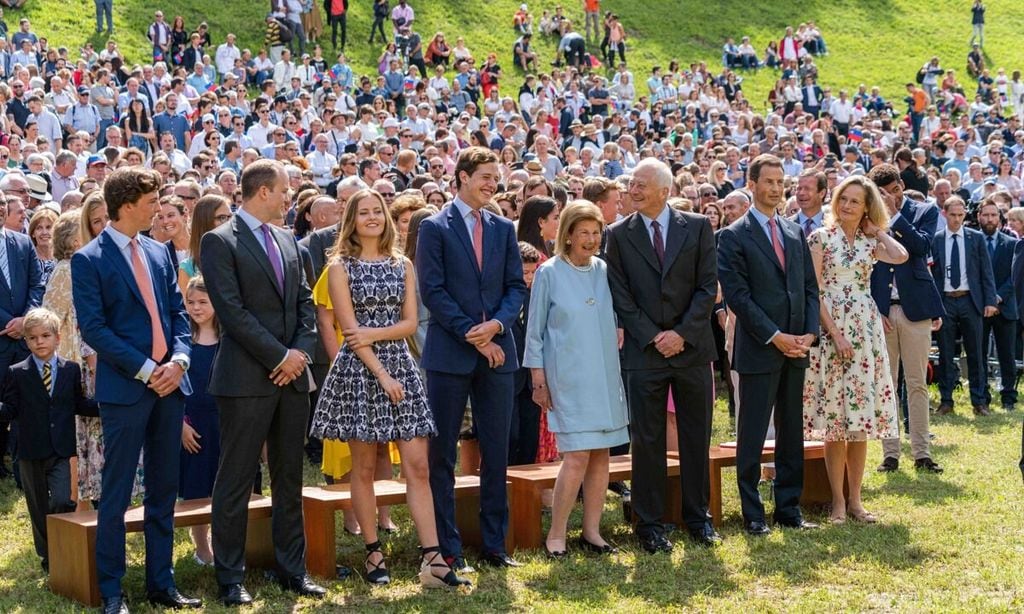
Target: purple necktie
659 242
274 256
808 226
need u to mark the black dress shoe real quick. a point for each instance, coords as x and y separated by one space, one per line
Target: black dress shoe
757 528
234 595
799 524
590 546
620 489
115 605
303 585
171 598
706 536
889 464
927 464
655 543
499 559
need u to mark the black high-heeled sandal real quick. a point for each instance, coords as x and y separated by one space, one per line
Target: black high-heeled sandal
427 577
379 574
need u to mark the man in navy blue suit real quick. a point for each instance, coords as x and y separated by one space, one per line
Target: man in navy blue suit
21 289
130 311
471 280
911 308
963 272
1000 246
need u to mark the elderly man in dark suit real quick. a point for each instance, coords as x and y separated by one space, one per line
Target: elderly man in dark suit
963 271
471 280
768 280
260 377
21 289
1003 325
911 309
662 273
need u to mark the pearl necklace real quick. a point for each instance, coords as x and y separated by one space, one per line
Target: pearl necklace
582 269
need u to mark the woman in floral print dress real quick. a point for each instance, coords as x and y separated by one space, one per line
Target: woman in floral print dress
848 392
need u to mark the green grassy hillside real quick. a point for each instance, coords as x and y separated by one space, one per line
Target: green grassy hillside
876 42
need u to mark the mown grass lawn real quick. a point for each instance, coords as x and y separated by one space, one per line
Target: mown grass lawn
950 543
875 42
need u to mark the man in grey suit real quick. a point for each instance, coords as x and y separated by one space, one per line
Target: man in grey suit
260 377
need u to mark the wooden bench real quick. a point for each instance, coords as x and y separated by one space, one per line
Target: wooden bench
72 543
528 481
816 486
319 504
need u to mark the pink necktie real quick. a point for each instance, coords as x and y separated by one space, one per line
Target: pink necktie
478 239
146 288
776 243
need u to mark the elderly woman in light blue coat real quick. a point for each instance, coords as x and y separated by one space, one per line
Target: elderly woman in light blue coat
572 351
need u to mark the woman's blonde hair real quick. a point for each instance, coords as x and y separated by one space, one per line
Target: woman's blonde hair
575 212
93 201
348 244
716 166
1016 213
874 206
67 232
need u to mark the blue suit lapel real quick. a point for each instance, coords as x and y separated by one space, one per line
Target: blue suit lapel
12 247
760 239
458 225
115 257
490 239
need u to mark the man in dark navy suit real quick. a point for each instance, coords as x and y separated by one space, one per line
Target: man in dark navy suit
471 280
21 289
1003 325
911 308
964 272
768 279
131 312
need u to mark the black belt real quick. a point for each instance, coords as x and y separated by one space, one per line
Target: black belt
958 294
894 301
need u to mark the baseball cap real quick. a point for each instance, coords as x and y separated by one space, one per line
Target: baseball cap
83 90
96 159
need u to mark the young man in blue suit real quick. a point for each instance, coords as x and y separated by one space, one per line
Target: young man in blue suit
1000 246
963 272
130 311
911 309
471 280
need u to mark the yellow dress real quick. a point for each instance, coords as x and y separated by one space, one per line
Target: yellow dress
337 458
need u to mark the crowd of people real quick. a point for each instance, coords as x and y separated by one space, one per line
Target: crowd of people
449 265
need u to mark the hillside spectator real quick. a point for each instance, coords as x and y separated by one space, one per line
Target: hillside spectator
573 47
337 17
522 55
975 61
977 23
522 21
401 15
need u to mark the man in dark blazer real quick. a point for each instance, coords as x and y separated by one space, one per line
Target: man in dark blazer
260 378
1017 276
471 280
811 96
911 309
21 289
768 280
131 312
963 271
662 273
1003 325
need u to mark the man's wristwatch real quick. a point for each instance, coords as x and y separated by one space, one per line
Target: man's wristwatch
181 363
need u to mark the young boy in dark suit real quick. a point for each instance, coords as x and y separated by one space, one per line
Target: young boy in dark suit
43 393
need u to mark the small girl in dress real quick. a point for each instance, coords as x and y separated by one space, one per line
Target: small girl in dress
200 431
373 392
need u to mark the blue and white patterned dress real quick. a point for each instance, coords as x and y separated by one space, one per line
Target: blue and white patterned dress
352 404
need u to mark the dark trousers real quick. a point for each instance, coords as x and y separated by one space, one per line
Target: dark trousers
153 426
245 423
962 321
1005 332
340 20
47 486
492 397
524 432
378 25
782 391
648 391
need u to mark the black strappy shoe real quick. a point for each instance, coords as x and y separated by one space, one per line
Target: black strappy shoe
427 577
379 573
